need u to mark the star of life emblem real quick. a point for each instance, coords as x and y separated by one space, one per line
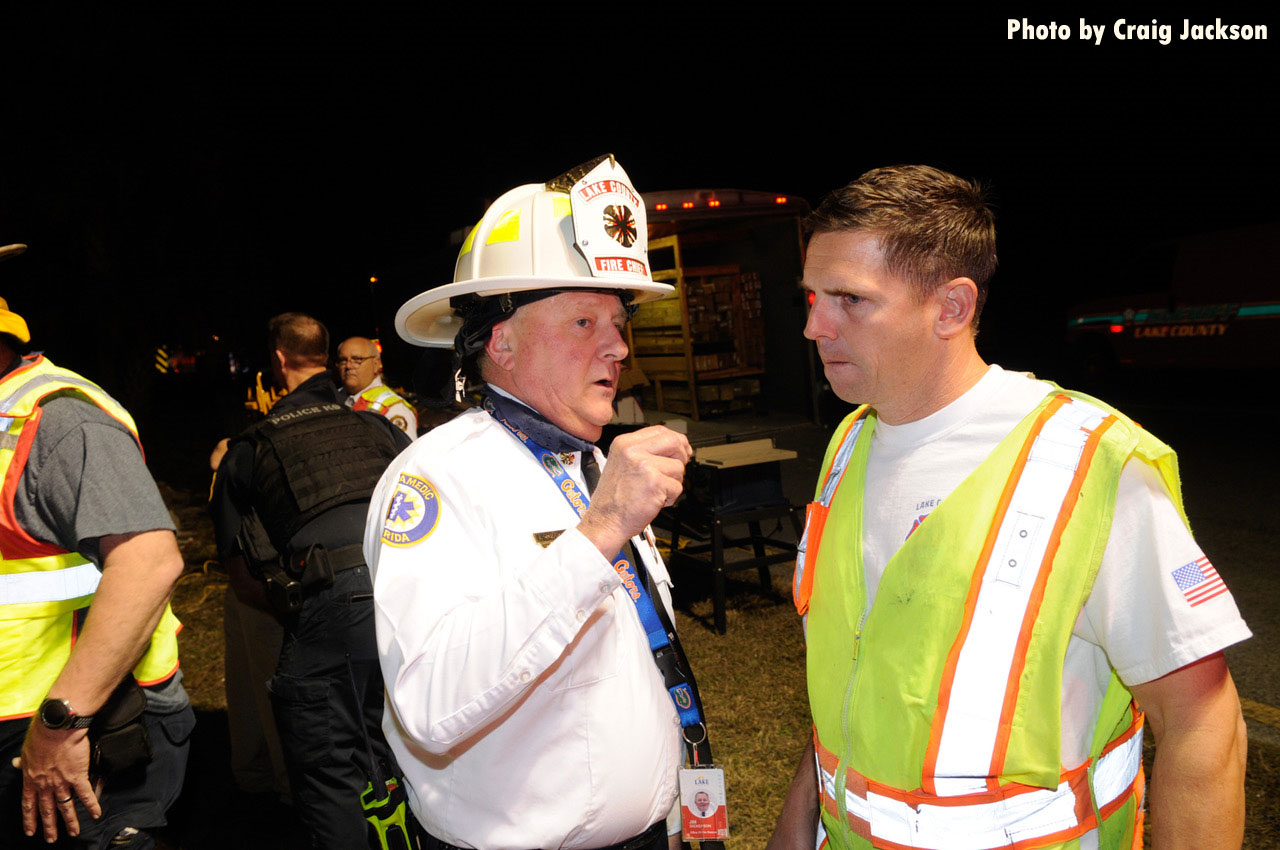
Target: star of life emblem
412 514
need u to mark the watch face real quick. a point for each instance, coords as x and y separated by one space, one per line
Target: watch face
55 713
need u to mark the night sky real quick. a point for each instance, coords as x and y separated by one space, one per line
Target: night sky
183 173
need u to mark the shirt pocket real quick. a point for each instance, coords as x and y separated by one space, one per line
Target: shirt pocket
594 655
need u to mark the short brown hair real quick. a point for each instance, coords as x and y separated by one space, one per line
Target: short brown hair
932 226
304 340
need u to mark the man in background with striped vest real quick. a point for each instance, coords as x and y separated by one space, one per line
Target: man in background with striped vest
997 575
359 366
88 558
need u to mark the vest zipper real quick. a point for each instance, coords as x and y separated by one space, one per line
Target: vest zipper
842 768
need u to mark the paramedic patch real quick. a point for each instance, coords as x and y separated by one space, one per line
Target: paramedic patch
413 512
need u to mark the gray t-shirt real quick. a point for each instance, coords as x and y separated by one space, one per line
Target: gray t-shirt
85 478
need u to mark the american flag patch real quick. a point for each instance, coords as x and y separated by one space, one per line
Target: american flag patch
1199 581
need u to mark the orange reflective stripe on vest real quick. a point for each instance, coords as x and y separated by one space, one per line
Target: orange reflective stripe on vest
815 517
1014 816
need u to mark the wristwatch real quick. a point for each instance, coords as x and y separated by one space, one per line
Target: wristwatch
58 714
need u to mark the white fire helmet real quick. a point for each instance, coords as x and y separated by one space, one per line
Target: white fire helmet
583 230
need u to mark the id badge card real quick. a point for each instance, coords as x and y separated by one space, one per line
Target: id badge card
703 808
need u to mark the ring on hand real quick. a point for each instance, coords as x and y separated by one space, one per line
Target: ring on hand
66 799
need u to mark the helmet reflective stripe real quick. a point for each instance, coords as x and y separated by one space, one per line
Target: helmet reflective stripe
506 230
471 235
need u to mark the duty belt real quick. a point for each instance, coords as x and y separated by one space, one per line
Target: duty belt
306 570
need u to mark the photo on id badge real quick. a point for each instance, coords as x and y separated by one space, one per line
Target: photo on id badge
703 813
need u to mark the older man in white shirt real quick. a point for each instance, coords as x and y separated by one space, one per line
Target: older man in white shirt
525 704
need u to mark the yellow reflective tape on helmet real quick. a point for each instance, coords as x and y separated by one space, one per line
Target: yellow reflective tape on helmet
507 229
561 206
466 243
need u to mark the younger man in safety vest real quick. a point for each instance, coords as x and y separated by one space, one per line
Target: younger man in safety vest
997 575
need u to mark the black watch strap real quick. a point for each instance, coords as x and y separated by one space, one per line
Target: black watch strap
57 713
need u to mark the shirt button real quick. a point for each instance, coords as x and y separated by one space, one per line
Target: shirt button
605 587
582 615
676 720
525 675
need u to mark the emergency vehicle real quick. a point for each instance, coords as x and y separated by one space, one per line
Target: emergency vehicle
1220 310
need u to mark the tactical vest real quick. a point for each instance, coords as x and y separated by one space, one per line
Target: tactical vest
312 458
937 710
44 589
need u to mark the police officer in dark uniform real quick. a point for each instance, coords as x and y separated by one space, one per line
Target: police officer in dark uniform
289 504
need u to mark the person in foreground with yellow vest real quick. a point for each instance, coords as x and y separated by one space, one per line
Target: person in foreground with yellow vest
360 371
997 575
88 558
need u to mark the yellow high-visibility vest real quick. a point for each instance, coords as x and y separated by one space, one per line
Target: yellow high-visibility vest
937 708
377 399
44 589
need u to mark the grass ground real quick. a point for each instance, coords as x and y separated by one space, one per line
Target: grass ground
752 682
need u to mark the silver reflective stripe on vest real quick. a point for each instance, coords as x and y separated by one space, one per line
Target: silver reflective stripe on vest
382 399
838 466
983 668
1001 823
48 585
1115 771
841 462
57 376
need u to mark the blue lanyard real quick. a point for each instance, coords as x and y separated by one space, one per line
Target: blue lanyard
681 693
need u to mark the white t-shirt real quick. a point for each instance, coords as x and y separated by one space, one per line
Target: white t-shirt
1136 620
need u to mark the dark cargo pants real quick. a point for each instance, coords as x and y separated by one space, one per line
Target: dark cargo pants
326 694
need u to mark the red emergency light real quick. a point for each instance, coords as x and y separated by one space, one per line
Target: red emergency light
1117 329
781 199
659 206
713 203
688 205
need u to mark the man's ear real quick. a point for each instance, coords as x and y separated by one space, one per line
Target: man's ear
957 299
499 347
281 360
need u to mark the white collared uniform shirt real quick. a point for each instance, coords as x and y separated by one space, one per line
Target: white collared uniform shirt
523 702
